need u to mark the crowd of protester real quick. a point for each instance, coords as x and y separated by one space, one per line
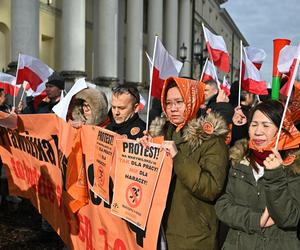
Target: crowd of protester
231 187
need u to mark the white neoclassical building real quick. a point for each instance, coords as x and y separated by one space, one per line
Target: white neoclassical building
106 40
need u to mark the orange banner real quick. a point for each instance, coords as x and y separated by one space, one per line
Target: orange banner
36 158
135 180
103 158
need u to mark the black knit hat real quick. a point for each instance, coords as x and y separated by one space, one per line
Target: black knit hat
57 80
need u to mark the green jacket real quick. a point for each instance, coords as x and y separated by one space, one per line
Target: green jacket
245 200
200 169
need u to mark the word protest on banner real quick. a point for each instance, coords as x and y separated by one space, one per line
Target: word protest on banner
136 175
37 157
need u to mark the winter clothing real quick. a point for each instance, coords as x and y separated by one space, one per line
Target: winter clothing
245 200
57 80
225 109
98 103
132 128
199 172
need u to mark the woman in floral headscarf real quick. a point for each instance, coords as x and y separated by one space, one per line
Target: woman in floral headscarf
261 204
199 165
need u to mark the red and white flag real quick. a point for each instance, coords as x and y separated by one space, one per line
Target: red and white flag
251 77
8 83
225 86
32 70
256 56
209 73
217 50
142 102
286 64
165 66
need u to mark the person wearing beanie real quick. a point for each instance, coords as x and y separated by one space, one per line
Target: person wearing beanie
54 86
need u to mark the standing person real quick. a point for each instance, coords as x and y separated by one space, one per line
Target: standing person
89 106
124 117
216 101
54 86
261 204
200 165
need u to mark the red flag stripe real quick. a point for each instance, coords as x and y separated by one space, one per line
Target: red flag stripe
219 57
255 87
157 84
26 74
9 88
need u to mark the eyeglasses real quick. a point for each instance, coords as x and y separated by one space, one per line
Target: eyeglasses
123 89
177 104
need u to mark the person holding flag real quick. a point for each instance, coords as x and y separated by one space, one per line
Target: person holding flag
54 85
261 204
200 158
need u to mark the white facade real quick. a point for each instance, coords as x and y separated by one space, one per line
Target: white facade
107 39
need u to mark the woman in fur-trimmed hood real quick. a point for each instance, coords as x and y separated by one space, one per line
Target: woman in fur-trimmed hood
199 166
261 204
89 106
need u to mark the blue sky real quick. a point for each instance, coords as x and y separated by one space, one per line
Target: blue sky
260 21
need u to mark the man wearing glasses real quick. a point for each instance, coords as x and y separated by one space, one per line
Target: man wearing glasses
124 118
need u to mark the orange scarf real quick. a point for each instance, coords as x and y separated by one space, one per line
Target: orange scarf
192 92
289 137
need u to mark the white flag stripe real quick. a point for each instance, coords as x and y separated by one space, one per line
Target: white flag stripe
286 57
7 78
165 63
61 109
215 42
251 72
255 55
37 66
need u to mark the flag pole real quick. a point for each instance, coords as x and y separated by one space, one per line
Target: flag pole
212 62
14 99
22 96
204 67
289 95
240 73
150 84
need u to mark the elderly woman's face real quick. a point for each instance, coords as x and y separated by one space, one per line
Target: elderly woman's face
175 106
262 130
86 109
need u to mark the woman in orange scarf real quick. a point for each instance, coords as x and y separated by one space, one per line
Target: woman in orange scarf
200 164
261 204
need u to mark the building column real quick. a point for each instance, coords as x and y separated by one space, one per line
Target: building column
171 26
106 42
155 23
134 41
24 28
73 39
185 33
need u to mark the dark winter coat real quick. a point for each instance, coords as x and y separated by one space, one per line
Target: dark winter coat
133 128
200 168
245 200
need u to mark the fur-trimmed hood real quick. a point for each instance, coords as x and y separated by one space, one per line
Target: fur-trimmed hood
238 151
197 130
97 101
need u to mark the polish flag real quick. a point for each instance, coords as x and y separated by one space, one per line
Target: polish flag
209 73
165 66
256 56
226 86
32 70
8 83
251 78
286 64
217 50
142 102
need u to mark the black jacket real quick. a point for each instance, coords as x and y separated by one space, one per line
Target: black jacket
225 109
133 128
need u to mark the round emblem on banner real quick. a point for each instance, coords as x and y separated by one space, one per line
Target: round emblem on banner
134 194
